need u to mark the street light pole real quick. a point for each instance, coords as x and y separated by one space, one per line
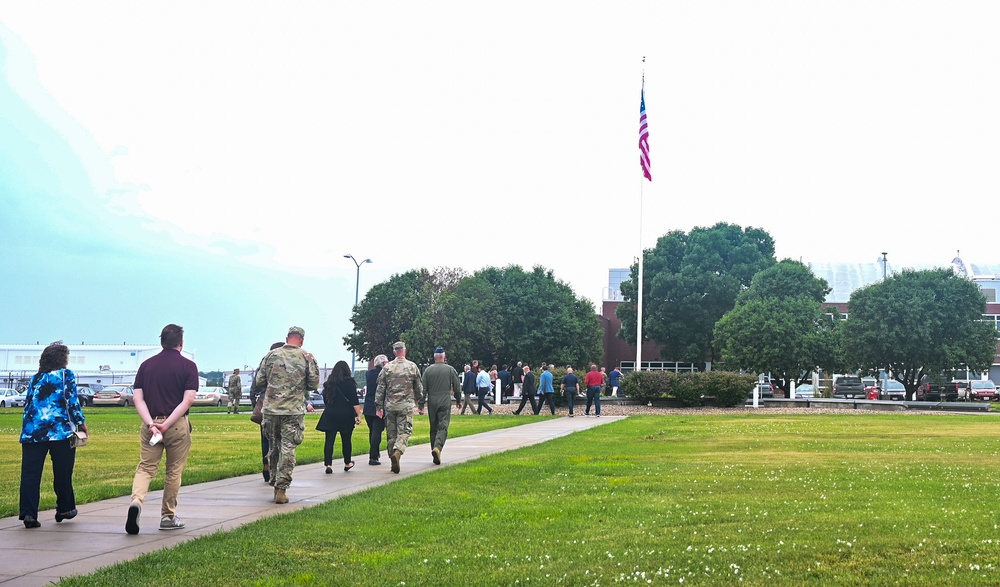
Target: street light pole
357 285
885 263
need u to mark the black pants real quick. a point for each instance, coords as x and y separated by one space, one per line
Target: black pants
32 463
570 396
481 395
345 444
265 445
526 397
376 426
594 397
546 398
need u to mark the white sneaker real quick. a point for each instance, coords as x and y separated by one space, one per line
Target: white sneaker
168 523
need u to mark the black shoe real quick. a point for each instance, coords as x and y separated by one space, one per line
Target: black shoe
267 475
31 522
348 466
374 462
132 523
67 516
329 470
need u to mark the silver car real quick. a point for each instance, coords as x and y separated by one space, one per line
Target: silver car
11 398
119 394
211 396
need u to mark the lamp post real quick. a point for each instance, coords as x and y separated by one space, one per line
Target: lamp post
357 283
885 263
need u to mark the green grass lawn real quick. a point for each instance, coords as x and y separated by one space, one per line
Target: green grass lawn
223 446
757 499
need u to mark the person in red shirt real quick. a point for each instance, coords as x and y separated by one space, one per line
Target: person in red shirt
594 381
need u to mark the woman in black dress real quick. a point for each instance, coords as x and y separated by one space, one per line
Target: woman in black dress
341 413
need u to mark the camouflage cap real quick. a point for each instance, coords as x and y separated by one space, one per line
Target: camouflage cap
398 345
297 331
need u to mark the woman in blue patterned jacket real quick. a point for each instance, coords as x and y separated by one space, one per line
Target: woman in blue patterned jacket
50 412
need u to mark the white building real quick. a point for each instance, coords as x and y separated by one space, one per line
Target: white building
92 363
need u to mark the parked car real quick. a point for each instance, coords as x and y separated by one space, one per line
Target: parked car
805 391
871 384
85 392
12 398
211 396
893 390
119 394
849 387
316 399
245 398
764 390
984 390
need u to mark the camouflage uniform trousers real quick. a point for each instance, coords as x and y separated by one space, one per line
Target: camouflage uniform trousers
284 433
398 428
440 418
234 402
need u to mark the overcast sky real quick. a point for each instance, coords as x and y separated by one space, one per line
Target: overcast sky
208 165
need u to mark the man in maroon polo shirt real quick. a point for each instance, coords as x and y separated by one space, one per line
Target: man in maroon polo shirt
164 389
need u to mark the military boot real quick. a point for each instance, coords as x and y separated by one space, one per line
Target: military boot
279 496
394 457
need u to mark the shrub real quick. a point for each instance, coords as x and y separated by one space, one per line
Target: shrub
729 389
647 385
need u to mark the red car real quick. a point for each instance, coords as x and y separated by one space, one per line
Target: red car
984 390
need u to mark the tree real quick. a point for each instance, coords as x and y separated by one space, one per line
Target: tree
387 311
690 280
502 315
779 327
539 318
918 323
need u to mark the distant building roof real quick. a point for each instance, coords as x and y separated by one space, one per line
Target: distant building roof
845 278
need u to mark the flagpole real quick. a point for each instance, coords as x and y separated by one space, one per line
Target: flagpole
644 162
638 321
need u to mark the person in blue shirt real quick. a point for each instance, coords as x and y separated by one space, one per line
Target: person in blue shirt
51 413
483 387
545 390
569 386
614 380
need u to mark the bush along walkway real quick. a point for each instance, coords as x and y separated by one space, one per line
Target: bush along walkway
97 538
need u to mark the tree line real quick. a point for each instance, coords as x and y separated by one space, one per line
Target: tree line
717 295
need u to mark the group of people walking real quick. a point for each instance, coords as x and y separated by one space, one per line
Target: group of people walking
165 387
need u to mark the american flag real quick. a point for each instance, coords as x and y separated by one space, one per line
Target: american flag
643 135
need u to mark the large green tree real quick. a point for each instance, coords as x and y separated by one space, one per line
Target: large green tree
690 280
779 327
387 311
500 315
918 323
539 318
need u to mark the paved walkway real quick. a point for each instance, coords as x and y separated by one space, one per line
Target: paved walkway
96 538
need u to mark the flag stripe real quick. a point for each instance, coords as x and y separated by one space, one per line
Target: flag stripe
644 137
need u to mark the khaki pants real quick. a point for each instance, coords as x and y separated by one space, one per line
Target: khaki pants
177 443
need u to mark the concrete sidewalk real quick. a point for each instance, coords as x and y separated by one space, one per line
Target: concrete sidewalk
96 537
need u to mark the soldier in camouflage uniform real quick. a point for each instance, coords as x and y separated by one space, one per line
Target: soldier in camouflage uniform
440 384
235 392
399 388
286 375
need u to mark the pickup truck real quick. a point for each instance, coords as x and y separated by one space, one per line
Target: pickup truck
849 387
933 391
